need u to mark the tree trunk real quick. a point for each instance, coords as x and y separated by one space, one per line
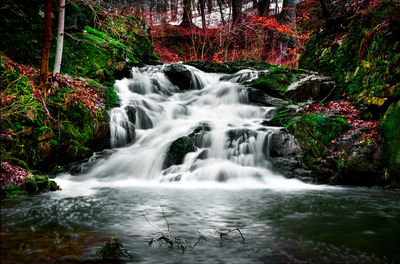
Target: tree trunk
289 17
187 13
220 3
236 11
209 6
263 8
44 69
202 6
60 37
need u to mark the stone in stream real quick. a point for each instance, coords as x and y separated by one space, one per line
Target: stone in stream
285 155
179 75
131 113
177 151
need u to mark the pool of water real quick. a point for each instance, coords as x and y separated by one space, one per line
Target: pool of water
331 225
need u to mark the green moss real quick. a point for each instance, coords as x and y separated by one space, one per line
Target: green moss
276 81
35 141
315 133
33 185
391 147
364 61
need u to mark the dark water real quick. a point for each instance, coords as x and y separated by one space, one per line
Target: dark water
344 225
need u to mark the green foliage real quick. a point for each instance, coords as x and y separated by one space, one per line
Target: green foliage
33 185
364 62
30 139
315 133
229 67
391 147
276 81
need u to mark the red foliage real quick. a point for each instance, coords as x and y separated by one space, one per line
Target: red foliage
11 175
352 117
81 91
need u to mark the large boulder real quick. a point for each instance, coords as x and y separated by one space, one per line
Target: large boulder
357 161
285 155
179 75
313 87
275 84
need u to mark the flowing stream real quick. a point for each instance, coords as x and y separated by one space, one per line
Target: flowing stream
225 181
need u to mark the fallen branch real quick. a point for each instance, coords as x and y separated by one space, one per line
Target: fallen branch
168 239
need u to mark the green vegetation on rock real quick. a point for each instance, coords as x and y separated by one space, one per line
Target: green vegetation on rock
391 147
315 133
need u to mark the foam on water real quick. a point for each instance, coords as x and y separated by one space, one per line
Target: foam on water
231 144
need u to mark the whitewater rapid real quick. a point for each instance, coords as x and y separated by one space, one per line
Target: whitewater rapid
231 144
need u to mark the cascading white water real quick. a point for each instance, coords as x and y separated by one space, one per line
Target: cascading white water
231 144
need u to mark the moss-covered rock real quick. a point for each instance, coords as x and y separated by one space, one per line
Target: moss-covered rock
315 133
177 151
33 185
364 61
391 146
229 67
275 84
31 139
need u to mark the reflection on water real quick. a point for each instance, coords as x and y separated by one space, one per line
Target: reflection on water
309 226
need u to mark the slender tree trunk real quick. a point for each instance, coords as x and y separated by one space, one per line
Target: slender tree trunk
236 11
202 6
44 69
209 6
187 13
60 37
220 3
263 8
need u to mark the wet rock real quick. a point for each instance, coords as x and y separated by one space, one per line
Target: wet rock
241 135
275 83
261 98
179 75
228 67
285 155
177 151
358 162
131 113
314 87
282 116
143 120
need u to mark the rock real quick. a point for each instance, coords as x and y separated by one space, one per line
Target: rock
143 120
200 137
282 116
179 75
123 70
285 155
358 161
391 144
228 67
275 83
131 113
261 98
177 151
312 87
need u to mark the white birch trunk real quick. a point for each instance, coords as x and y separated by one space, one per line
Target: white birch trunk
60 37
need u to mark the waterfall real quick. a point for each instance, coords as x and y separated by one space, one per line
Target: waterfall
224 134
